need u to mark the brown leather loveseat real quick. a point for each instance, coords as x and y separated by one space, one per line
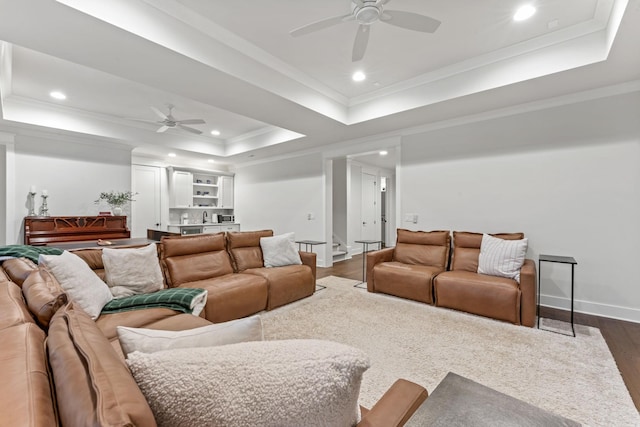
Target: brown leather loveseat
418 268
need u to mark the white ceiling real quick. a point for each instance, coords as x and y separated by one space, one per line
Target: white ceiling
234 64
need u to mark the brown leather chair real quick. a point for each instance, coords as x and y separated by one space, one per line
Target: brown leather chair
463 288
408 269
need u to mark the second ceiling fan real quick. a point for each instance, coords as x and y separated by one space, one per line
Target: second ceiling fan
367 12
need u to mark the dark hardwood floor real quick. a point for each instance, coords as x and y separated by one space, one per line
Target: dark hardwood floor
623 338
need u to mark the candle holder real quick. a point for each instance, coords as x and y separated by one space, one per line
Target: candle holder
44 209
32 203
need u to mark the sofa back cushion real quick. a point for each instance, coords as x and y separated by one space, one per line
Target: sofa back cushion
466 248
92 384
18 269
187 259
44 295
244 248
429 248
93 257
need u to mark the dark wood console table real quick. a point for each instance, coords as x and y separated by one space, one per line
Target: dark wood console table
44 230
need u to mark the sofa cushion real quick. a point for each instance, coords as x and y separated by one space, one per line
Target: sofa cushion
92 385
13 308
278 251
244 248
79 281
44 295
107 323
490 296
286 284
422 248
405 280
152 340
25 387
269 383
191 258
232 296
466 249
132 271
500 257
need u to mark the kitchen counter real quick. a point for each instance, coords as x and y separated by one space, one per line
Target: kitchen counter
207 227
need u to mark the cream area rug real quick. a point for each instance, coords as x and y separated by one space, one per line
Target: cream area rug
573 377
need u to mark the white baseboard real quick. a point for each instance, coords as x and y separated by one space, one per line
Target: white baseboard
593 308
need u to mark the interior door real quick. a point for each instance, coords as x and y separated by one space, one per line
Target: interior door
368 212
145 211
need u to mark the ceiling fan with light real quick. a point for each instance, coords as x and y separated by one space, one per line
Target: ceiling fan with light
169 122
367 12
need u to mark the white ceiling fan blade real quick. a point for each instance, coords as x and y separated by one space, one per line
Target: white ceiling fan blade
159 113
162 129
410 21
360 43
319 25
188 129
191 122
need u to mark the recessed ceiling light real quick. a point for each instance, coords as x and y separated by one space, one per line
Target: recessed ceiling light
384 152
211 161
358 76
215 132
524 12
56 94
171 154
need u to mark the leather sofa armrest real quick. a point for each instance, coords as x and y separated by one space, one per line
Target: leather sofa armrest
396 406
373 258
528 288
309 258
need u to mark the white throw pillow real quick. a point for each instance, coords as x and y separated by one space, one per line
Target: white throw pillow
268 383
280 250
500 257
132 271
152 340
81 284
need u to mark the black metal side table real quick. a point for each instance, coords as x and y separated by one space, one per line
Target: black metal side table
561 260
365 249
308 243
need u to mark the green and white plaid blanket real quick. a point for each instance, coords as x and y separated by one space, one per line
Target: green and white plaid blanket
26 251
186 300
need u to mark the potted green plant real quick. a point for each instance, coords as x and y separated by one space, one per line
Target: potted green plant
116 199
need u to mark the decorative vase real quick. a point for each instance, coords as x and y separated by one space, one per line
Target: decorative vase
117 211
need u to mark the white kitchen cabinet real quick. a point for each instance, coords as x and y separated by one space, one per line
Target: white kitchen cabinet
181 192
211 229
226 192
230 227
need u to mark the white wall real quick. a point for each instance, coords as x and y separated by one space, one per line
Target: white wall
280 195
568 177
73 173
339 193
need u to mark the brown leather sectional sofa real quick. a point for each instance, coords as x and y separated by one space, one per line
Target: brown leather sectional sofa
59 367
419 268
